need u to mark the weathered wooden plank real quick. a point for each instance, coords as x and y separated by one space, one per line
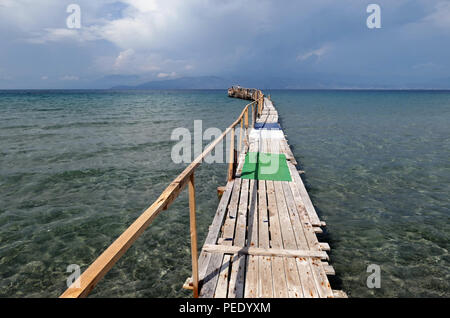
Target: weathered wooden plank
222 282
228 234
258 251
317 230
237 276
292 275
339 294
264 263
287 151
294 217
241 161
310 210
263 216
319 278
325 247
273 144
188 284
236 285
251 275
209 288
304 268
252 238
307 227
275 230
230 221
214 230
329 270
278 273
241 223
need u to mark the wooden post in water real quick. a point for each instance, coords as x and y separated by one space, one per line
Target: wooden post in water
231 164
193 228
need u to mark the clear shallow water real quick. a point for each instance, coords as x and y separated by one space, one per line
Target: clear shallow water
378 171
76 168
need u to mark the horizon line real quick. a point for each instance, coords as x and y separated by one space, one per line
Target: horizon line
216 89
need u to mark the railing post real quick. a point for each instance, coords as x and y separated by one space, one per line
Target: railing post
193 229
246 119
240 136
231 164
259 107
246 125
253 114
261 103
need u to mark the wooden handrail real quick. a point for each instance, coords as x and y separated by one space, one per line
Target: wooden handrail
95 272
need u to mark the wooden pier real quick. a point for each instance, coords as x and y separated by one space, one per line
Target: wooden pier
262 242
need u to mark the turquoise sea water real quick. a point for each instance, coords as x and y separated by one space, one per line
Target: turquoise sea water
77 167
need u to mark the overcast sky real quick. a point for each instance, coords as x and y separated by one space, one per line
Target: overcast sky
324 42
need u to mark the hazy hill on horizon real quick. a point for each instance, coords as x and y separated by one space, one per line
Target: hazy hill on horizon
216 82
202 82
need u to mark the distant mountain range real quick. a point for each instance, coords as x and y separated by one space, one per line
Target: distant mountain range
215 82
202 82
308 82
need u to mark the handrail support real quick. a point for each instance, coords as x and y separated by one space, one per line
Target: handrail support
193 230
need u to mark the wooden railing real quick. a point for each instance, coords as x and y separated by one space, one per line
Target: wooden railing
95 272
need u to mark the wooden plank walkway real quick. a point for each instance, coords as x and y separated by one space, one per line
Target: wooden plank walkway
262 242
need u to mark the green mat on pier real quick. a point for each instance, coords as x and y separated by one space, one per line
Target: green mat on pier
265 166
